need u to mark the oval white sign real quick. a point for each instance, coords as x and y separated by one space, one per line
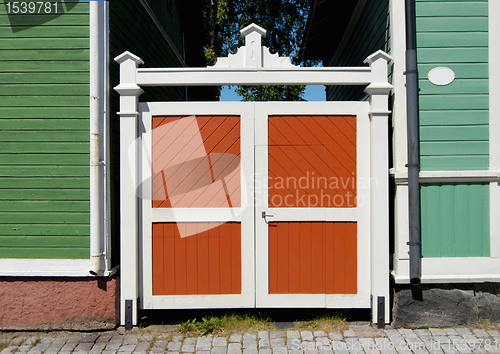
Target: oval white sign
441 76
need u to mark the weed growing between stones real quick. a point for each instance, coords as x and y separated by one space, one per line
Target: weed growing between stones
226 324
326 323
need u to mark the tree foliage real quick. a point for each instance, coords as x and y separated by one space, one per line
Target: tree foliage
284 21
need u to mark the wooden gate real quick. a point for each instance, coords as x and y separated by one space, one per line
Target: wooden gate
277 204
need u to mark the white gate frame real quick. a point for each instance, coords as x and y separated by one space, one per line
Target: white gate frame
253 64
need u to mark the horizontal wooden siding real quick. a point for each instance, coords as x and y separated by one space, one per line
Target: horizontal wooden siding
44 133
454 118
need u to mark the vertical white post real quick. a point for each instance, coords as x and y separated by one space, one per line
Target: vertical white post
253 48
379 183
129 169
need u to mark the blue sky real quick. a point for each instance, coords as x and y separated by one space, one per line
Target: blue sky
313 93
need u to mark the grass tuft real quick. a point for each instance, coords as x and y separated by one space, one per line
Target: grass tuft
326 323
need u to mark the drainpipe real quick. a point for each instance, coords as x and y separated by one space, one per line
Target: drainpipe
96 210
413 144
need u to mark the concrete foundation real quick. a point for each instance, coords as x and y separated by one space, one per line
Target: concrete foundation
59 303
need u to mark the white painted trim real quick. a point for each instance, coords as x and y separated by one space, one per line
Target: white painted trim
47 268
263 76
494 121
472 176
451 269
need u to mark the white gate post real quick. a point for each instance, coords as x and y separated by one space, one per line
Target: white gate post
129 161
379 186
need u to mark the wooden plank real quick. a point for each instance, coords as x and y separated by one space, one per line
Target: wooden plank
460 86
69 8
45 125
44 55
454 163
451 9
45 43
44 194
44 171
46 112
45 159
42 218
460 102
456 24
452 55
46 31
45 147
454 133
45 205
45 241
46 229
69 77
44 182
19 23
451 148
44 66
48 253
45 101
44 90
452 39
53 136
463 117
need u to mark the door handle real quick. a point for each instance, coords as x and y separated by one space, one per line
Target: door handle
264 215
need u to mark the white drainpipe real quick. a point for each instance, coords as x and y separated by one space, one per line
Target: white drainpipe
96 175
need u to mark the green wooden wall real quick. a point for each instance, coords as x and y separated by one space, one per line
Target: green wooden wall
371 34
455 220
454 118
44 135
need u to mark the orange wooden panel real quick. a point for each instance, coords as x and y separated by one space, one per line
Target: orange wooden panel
196 162
208 262
312 161
313 258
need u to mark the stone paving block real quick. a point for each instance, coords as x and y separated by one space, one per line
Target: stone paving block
480 333
449 348
340 347
277 334
84 346
463 331
234 346
335 336
268 351
249 344
306 335
219 350
235 338
147 337
369 346
103 352
142 346
437 332
250 350
319 334
293 334
177 338
326 351
263 335
460 344
349 333
432 346
204 343
190 341
139 352
248 336
131 339
354 345
385 346
203 352
99 346
311 351
109 345
264 344
494 333
279 350
219 342
159 343
277 342
127 348
174 346
422 332
18 340
450 331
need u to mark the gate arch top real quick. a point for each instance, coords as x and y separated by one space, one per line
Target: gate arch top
253 64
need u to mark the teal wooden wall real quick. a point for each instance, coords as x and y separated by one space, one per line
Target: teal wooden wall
371 34
455 220
454 118
44 136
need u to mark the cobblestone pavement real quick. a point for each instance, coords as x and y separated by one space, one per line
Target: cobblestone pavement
360 338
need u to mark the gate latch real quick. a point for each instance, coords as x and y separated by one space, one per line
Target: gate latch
264 215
